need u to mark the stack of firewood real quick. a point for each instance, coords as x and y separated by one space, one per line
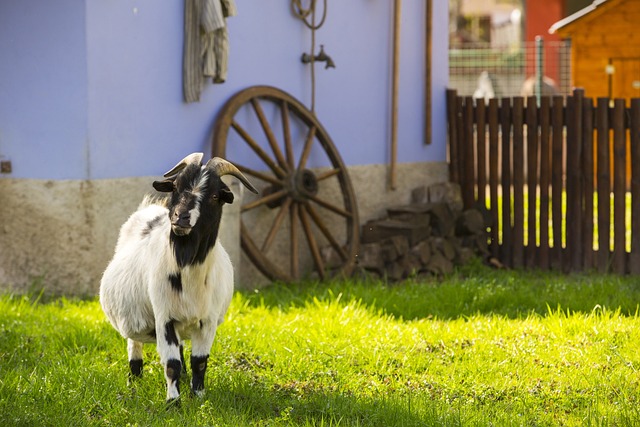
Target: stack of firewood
430 235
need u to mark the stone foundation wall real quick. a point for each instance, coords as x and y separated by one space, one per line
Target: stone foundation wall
60 235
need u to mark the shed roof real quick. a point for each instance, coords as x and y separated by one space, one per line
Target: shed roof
590 12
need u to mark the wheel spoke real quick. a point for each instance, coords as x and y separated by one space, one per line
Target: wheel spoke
286 130
259 175
307 147
331 207
295 264
264 200
328 174
311 240
269 133
259 151
252 251
323 228
276 225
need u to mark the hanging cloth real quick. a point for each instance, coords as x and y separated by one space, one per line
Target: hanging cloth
206 44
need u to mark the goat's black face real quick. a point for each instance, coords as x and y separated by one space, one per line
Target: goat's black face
196 192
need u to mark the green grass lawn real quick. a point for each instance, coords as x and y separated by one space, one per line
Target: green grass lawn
480 347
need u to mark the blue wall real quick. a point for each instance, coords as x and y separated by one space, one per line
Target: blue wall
92 89
43 88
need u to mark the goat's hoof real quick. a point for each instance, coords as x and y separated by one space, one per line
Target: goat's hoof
135 367
174 402
198 393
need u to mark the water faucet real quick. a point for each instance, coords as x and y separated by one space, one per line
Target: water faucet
320 57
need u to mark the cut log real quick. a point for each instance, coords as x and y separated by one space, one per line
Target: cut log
442 219
479 243
370 257
375 231
410 265
448 193
444 246
470 222
394 271
422 251
393 248
439 265
432 234
464 255
415 218
438 215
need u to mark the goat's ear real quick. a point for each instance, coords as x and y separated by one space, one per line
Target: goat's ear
226 195
165 186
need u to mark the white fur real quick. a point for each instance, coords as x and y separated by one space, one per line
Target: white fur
198 191
137 296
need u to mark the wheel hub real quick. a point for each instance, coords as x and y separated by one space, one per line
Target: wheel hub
301 184
304 184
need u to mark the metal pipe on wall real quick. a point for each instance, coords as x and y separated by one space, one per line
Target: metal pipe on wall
395 79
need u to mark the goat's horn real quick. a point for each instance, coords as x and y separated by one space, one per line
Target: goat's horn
224 167
191 158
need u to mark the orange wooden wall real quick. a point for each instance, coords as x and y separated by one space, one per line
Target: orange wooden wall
607 36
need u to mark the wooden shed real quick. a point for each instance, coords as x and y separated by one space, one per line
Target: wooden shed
605 48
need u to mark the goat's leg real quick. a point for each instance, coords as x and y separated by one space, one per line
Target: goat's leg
134 350
201 343
168 344
183 376
184 365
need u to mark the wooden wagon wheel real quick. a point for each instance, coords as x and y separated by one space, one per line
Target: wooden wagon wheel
297 198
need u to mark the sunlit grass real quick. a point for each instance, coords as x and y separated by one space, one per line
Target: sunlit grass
480 347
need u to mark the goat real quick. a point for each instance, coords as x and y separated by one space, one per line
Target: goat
169 279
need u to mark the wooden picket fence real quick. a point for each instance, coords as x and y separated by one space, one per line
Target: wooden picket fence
560 180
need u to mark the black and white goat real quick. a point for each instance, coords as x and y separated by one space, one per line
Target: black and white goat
169 279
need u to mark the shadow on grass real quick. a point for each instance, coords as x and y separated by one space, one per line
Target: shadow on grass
252 402
475 289
250 395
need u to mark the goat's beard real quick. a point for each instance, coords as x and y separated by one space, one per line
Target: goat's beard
180 231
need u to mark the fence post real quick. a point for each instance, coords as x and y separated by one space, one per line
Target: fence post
493 174
604 184
518 182
545 175
588 171
574 179
468 151
532 179
557 178
460 141
481 152
505 126
619 187
634 131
